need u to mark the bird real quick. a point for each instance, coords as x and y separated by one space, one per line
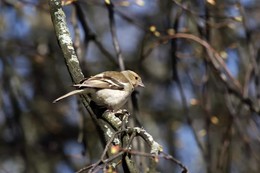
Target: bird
109 89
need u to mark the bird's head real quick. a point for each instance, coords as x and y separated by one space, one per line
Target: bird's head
133 78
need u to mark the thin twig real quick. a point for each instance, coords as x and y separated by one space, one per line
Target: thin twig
119 55
133 132
218 64
90 35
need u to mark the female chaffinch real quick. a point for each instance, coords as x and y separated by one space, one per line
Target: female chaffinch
110 89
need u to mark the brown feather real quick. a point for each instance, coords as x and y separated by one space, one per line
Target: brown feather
104 81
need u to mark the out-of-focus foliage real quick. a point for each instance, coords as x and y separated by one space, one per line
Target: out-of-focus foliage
185 105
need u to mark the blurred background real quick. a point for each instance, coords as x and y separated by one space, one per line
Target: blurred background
188 105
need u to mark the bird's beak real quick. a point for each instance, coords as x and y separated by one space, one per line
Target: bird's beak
141 84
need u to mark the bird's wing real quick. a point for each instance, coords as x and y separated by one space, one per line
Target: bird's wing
102 81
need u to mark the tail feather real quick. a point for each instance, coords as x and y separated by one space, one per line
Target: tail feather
74 92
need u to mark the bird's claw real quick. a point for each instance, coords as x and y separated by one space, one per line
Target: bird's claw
121 112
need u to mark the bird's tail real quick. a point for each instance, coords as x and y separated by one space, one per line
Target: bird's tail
74 92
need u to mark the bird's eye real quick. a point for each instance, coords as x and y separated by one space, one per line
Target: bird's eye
136 78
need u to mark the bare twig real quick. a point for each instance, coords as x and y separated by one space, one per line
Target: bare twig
162 155
110 9
155 148
219 66
90 35
176 78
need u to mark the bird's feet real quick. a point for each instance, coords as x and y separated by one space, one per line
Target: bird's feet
121 112
120 116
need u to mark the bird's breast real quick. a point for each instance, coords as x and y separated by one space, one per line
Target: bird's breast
110 98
